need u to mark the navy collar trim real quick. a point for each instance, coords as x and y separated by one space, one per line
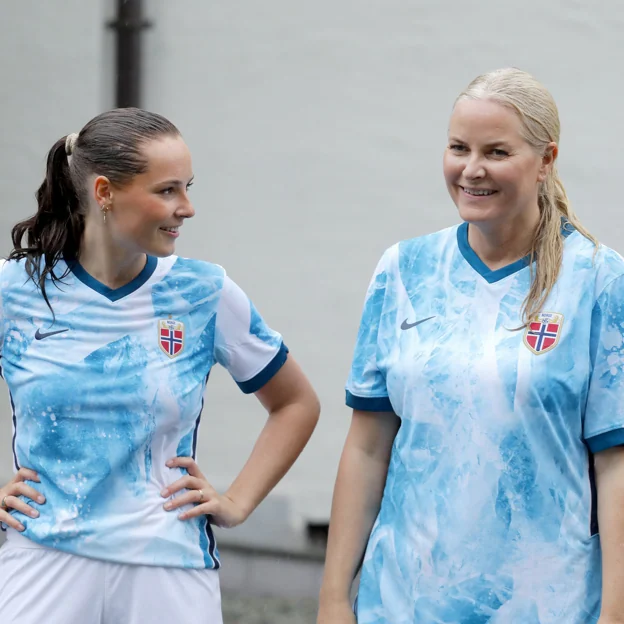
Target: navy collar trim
114 294
482 269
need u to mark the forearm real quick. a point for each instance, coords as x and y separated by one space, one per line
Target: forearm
357 499
281 441
610 484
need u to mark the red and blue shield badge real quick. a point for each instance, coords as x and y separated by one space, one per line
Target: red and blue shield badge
171 337
543 332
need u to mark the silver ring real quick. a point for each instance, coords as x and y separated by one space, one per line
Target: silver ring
201 496
3 504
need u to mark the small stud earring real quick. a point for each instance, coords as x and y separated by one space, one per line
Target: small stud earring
105 210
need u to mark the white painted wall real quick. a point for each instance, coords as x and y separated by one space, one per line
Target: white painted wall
317 131
51 84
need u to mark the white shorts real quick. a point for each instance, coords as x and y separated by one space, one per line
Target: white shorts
38 584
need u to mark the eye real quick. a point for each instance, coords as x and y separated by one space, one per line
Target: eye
188 186
456 147
166 191
500 153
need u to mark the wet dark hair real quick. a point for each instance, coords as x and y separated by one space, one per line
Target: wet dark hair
109 145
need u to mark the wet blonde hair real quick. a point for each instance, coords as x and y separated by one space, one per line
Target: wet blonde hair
536 108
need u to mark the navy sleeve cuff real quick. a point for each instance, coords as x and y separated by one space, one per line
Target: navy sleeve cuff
267 373
369 404
606 440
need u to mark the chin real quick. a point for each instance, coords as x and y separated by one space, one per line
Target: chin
478 214
161 252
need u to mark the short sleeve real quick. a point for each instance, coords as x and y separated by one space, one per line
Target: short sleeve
366 387
604 412
244 344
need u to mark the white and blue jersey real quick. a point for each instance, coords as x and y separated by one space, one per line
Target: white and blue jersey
111 388
489 509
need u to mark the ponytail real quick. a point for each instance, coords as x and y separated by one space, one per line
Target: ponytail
547 249
55 231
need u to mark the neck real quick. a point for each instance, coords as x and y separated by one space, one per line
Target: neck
108 263
501 244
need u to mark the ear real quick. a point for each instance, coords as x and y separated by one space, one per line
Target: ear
103 190
548 160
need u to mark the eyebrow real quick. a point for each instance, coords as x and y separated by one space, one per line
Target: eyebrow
490 145
176 182
497 144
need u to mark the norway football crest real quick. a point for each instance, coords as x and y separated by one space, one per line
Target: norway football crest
543 332
171 337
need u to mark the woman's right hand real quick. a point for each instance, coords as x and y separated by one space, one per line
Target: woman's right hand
9 498
335 613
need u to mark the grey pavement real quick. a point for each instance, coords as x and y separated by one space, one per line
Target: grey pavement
241 609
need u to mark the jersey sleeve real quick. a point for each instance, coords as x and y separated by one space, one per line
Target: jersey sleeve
244 344
604 412
366 387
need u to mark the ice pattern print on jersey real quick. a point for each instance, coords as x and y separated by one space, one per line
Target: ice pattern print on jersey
488 513
111 388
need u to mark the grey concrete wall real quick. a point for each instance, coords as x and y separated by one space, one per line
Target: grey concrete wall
317 132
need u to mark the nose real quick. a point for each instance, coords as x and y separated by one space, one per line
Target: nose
474 168
185 209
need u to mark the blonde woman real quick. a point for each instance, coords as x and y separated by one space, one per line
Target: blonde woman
482 479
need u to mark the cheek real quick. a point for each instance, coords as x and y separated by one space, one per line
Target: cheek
507 177
521 176
523 181
451 168
137 218
152 210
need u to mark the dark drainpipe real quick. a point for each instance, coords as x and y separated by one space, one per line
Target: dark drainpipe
128 25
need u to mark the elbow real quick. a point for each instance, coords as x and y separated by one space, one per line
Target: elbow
312 409
316 409
301 412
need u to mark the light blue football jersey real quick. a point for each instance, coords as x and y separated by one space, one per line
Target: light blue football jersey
489 509
111 389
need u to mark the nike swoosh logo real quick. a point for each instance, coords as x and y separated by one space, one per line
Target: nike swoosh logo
40 336
406 325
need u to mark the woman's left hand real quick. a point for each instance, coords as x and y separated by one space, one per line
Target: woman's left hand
223 511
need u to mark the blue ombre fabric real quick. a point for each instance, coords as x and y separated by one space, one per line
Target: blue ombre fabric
111 388
489 509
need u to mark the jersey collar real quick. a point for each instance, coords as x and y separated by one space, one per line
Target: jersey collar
114 294
482 269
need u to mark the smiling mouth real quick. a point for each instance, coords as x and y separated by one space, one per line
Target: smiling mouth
477 192
173 230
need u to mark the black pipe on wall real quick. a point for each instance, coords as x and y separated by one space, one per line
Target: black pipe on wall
128 26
